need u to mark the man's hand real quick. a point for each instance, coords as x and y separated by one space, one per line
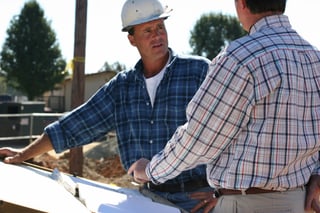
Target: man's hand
206 201
41 145
10 155
313 193
138 170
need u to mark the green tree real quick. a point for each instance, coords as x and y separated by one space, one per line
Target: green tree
212 32
3 85
116 66
31 57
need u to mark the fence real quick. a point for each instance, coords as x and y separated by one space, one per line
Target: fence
24 127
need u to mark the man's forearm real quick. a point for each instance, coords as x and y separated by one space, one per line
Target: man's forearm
37 147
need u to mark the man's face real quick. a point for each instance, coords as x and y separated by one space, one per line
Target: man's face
150 38
236 3
240 8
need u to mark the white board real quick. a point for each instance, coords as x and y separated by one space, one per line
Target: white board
34 188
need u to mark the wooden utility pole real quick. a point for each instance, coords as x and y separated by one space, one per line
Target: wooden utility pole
78 77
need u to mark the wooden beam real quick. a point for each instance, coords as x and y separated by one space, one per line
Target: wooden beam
78 78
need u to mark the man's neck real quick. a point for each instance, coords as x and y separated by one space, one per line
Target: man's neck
153 67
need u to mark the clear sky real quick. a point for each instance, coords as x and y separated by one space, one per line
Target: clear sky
106 42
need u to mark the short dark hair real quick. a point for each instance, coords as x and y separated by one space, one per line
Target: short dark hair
259 6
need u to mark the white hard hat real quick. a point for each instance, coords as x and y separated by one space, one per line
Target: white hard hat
140 11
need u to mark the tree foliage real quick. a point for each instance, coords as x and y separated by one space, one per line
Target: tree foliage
212 32
116 66
31 57
3 85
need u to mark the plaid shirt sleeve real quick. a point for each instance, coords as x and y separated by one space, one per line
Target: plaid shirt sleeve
216 113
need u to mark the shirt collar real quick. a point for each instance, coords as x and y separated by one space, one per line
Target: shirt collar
270 22
172 56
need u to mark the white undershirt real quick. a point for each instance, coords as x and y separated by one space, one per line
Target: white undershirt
153 83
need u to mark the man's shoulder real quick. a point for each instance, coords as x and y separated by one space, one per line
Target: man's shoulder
192 58
124 76
190 65
183 57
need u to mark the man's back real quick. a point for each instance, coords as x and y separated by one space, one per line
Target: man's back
279 74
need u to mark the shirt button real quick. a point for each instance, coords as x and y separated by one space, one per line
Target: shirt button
147 103
151 122
151 141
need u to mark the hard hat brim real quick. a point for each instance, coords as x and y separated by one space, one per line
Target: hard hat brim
164 15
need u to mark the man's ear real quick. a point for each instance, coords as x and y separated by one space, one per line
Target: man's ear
242 3
131 40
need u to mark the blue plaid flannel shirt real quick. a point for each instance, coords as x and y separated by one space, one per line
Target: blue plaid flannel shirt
123 104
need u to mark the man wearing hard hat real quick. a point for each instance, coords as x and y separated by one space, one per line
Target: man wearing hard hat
144 105
144 22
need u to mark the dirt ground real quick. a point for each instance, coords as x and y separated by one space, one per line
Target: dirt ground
101 163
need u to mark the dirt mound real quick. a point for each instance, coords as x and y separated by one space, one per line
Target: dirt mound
101 163
106 170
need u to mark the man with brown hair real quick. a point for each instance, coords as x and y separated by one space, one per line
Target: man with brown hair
255 121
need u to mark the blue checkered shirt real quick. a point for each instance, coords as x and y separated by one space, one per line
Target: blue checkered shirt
123 104
255 121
